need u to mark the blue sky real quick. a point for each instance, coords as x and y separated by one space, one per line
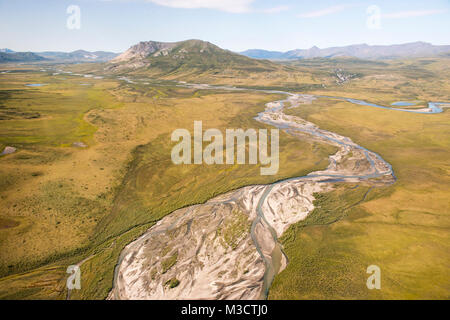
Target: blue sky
115 25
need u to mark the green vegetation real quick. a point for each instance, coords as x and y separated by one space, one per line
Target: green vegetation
169 262
234 228
172 283
382 82
402 228
322 262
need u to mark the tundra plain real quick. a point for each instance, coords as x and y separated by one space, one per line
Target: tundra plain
92 172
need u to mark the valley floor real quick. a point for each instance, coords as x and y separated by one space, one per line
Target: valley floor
92 172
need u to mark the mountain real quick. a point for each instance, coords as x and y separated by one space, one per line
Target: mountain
78 56
190 56
6 50
361 51
20 57
144 49
8 55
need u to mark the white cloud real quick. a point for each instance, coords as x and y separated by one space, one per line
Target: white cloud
234 6
409 14
324 12
276 9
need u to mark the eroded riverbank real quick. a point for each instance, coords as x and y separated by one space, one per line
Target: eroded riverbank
227 248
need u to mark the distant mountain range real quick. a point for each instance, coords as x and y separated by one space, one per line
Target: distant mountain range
361 51
19 57
8 55
6 50
202 54
78 56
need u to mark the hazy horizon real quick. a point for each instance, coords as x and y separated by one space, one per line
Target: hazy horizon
97 50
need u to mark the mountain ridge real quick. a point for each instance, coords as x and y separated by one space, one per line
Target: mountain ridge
12 57
361 51
6 50
139 52
9 55
78 56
